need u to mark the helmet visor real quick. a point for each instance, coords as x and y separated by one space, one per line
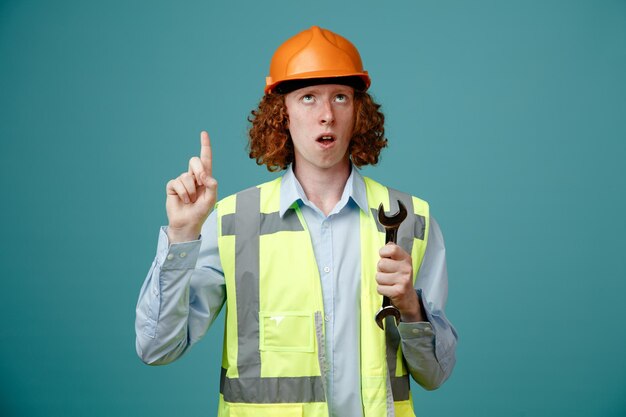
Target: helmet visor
291 85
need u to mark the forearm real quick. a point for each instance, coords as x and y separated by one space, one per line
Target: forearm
429 349
162 313
179 300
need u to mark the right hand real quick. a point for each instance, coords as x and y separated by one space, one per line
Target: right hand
191 196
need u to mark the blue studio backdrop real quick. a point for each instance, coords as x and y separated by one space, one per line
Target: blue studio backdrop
509 117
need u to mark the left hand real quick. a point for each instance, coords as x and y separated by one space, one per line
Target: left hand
395 280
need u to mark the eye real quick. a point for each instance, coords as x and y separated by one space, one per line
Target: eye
341 98
307 98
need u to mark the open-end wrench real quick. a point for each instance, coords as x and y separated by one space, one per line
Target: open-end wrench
391 225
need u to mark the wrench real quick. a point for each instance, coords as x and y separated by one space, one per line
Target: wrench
391 225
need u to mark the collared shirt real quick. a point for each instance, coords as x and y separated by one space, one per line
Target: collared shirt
185 290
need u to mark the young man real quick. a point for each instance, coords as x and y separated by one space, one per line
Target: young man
301 261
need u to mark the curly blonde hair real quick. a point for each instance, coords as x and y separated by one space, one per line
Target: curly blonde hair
270 142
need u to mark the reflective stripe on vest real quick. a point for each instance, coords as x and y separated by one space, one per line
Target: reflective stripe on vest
382 365
273 351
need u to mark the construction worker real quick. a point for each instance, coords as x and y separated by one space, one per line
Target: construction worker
301 261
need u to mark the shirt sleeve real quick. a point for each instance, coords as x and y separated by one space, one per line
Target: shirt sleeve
429 347
181 296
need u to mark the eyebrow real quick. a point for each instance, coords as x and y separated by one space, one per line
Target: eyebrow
339 89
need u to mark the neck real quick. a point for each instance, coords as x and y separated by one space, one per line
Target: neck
323 188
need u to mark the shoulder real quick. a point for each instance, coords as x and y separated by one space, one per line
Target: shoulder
227 204
379 192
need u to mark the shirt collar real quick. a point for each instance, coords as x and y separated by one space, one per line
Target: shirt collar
291 191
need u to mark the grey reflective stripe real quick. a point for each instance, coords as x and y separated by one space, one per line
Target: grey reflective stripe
400 387
306 389
228 224
247 219
406 231
248 224
399 384
270 223
321 348
420 227
391 410
378 225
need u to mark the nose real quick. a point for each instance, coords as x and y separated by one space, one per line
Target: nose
327 116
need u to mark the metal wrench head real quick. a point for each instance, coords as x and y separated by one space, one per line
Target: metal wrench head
385 312
391 225
393 220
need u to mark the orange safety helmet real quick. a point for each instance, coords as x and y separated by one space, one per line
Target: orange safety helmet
318 55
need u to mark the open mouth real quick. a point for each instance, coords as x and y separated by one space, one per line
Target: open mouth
326 139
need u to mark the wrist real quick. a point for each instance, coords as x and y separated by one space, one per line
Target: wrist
415 313
182 234
412 317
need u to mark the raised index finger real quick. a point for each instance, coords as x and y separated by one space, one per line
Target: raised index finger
206 156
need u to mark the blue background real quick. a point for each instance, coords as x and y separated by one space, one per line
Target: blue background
508 116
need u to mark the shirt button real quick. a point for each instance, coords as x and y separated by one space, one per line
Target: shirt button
327 269
183 254
170 257
416 331
327 317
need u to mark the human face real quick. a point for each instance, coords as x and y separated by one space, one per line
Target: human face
321 121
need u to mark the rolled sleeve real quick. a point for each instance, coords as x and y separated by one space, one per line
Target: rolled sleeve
418 330
444 335
429 347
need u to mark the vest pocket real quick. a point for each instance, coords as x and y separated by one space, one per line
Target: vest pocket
286 331
265 410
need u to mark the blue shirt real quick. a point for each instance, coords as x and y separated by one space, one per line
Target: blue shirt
185 290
